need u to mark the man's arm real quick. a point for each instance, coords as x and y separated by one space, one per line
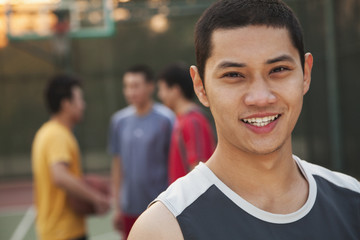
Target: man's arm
156 223
116 178
65 180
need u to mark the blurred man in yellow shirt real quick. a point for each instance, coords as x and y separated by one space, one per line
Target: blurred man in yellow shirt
56 162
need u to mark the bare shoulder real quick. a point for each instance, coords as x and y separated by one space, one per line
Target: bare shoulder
157 222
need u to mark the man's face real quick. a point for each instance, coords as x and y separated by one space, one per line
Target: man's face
76 104
166 94
136 90
254 86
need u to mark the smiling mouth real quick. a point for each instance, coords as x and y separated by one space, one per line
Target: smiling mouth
260 122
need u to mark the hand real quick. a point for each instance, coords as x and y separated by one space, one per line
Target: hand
118 221
101 204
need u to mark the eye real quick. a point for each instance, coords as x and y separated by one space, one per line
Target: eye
233 75
279 69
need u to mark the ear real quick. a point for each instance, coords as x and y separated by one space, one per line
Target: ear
176 90
151 86
64 104
199 86
307 72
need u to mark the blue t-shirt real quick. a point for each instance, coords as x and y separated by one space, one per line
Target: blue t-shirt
142 142
206 209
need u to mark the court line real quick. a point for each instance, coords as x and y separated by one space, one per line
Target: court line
24 225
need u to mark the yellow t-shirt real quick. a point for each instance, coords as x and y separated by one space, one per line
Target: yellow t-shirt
55 219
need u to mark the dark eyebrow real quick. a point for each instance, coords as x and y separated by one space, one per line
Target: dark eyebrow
280 59
227 64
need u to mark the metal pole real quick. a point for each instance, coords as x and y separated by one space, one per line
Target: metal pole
332 90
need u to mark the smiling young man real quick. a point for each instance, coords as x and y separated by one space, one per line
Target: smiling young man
253 74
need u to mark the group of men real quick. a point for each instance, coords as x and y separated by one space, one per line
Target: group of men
151 144
150 148
252 72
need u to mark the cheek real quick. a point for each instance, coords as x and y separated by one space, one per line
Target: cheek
223 104
160 92
167 97
126 91
162 96
80 104
145 92
297 104
227 95
293 93
289 91
293 99
135 92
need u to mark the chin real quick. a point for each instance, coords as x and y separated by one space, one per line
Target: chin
266 150
78 120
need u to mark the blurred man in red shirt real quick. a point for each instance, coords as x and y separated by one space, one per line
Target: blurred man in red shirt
192 139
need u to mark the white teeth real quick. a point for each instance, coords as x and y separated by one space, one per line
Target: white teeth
260 122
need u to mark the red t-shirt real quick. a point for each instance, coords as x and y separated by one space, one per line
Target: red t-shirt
192 141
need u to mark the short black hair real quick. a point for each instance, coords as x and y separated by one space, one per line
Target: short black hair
60 87
143 69
178 74
230 14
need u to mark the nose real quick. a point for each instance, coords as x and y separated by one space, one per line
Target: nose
259 93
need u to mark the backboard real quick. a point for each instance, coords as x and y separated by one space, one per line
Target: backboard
39 19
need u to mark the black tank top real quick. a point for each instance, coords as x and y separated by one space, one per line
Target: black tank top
206 209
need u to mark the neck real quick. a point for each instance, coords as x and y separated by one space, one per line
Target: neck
64 120
183 106
270 181
144 108
244 164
